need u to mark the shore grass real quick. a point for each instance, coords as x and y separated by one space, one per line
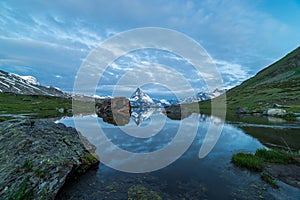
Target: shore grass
275 156
267 178
249 161
257 162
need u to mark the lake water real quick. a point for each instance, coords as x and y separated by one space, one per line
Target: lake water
189 176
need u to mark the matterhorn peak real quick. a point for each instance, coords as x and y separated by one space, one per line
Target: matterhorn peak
140 99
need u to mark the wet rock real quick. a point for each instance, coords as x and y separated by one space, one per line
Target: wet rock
115 111
297 114
61 110
274 112
177 112
241 110
289 174
275 105
37 157
70 111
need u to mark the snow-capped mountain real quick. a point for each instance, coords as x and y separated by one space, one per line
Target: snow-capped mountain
140 99
202 96
28 85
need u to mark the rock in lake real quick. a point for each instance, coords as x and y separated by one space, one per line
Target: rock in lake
241 110
274 111
38 156
115 111
177 112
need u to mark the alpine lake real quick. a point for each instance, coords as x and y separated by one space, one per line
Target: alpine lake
182 174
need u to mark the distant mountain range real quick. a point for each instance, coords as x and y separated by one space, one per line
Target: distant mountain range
141 99
275 86
28 85
202 96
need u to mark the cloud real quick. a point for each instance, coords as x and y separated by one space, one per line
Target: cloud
242 36
232 74
58 76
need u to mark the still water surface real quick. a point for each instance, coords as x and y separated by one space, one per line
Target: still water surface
189 177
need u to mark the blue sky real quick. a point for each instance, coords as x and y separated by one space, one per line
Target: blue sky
50 39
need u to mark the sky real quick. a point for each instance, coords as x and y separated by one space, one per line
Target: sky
51 39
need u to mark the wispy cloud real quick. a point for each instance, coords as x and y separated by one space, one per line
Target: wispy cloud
232 74
241 36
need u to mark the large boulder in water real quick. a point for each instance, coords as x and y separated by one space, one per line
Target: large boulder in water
177 112
115 111
38 156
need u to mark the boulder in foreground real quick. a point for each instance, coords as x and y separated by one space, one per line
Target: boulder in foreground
38 156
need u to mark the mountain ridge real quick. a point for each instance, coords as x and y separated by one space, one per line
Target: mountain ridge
27 85
277 84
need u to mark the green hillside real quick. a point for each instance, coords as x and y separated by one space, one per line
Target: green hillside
35 106
277 84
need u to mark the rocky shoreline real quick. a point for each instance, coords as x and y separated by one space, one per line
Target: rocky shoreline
38 157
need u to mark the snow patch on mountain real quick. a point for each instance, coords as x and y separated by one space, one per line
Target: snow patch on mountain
14 83
30 79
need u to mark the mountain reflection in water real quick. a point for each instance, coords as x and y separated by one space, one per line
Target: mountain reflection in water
189 177
118 111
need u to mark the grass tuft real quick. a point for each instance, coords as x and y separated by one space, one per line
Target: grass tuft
248 161
22 194
267 178
27 165
275 156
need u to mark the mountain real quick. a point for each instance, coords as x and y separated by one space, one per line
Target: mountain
28 85
202 96
277 85
140 99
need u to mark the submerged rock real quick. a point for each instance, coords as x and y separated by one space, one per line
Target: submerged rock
38 156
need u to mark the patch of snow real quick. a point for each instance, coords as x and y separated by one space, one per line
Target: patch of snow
30 79
4 84
164 101
101 97
57 88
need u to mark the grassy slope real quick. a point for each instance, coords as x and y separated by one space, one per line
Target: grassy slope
279 83
35 105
